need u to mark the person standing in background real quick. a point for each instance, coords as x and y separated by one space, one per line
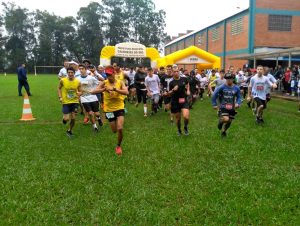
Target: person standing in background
22 78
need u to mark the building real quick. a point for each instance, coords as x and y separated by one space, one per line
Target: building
267 25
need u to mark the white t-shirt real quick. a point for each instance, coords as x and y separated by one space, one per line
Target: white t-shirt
259 86
131 77
272 79
77 73
203 81
62 73
88 84
152 83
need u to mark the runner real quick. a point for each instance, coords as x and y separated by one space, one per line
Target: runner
165 82
212 85
240 81
89 101
203 83
141 91
194 84
272 80
153 89
179 91
132 90
113 96
229 97
68 89
258 90
219 81
63 71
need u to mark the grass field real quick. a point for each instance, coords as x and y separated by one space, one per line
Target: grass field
252 177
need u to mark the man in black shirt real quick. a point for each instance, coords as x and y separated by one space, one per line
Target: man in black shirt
194 84
141 91
179 91
165 83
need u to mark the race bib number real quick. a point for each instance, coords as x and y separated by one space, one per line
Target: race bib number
109 115
228 106
260 88
71 94
181 100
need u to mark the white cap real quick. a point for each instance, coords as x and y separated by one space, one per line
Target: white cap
73 62
241 72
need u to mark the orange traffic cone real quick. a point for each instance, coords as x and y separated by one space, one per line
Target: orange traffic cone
27 113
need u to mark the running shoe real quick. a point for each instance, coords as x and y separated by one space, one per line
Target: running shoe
186 132
86 120
69 133
118 150
100 121
179 133
223 134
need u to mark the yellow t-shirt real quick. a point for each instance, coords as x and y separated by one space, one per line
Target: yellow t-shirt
120 76
69 91
211 80
113 101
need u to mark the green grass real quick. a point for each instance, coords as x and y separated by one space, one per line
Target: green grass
250 178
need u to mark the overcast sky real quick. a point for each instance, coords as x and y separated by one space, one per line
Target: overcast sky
181 15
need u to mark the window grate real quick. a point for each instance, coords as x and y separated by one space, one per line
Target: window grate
215 33
237 26
280 23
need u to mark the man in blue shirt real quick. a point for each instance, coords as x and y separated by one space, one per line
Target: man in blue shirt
22 78
229 98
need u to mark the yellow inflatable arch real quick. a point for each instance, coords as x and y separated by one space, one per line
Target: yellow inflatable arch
191 55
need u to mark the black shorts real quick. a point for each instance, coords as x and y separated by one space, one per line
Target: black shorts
141 95
69 108
225 112
167 100
91 106
176 107
112 116
260 102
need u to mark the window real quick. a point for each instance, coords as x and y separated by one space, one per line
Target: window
280 23
237 26
200 40
215 33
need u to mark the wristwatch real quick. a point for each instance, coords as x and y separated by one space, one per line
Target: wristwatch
114 89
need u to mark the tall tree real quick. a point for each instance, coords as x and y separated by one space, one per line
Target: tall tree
2 46
91 21
146 25
117 29
19 26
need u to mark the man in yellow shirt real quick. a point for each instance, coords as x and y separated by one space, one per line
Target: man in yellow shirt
68 90
113 101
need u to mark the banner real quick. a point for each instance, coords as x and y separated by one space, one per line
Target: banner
130 50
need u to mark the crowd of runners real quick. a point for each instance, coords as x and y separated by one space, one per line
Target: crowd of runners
85 89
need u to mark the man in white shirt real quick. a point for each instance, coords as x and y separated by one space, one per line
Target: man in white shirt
152 83
88 100
63 72
258 88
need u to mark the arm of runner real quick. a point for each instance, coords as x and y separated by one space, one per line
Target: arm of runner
238 98
250 90
123 90
59 90
100 88
214 98
79 91
188 92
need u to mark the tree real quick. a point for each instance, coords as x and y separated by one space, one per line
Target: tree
2 46
117 29
146 25
91 36
19 26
